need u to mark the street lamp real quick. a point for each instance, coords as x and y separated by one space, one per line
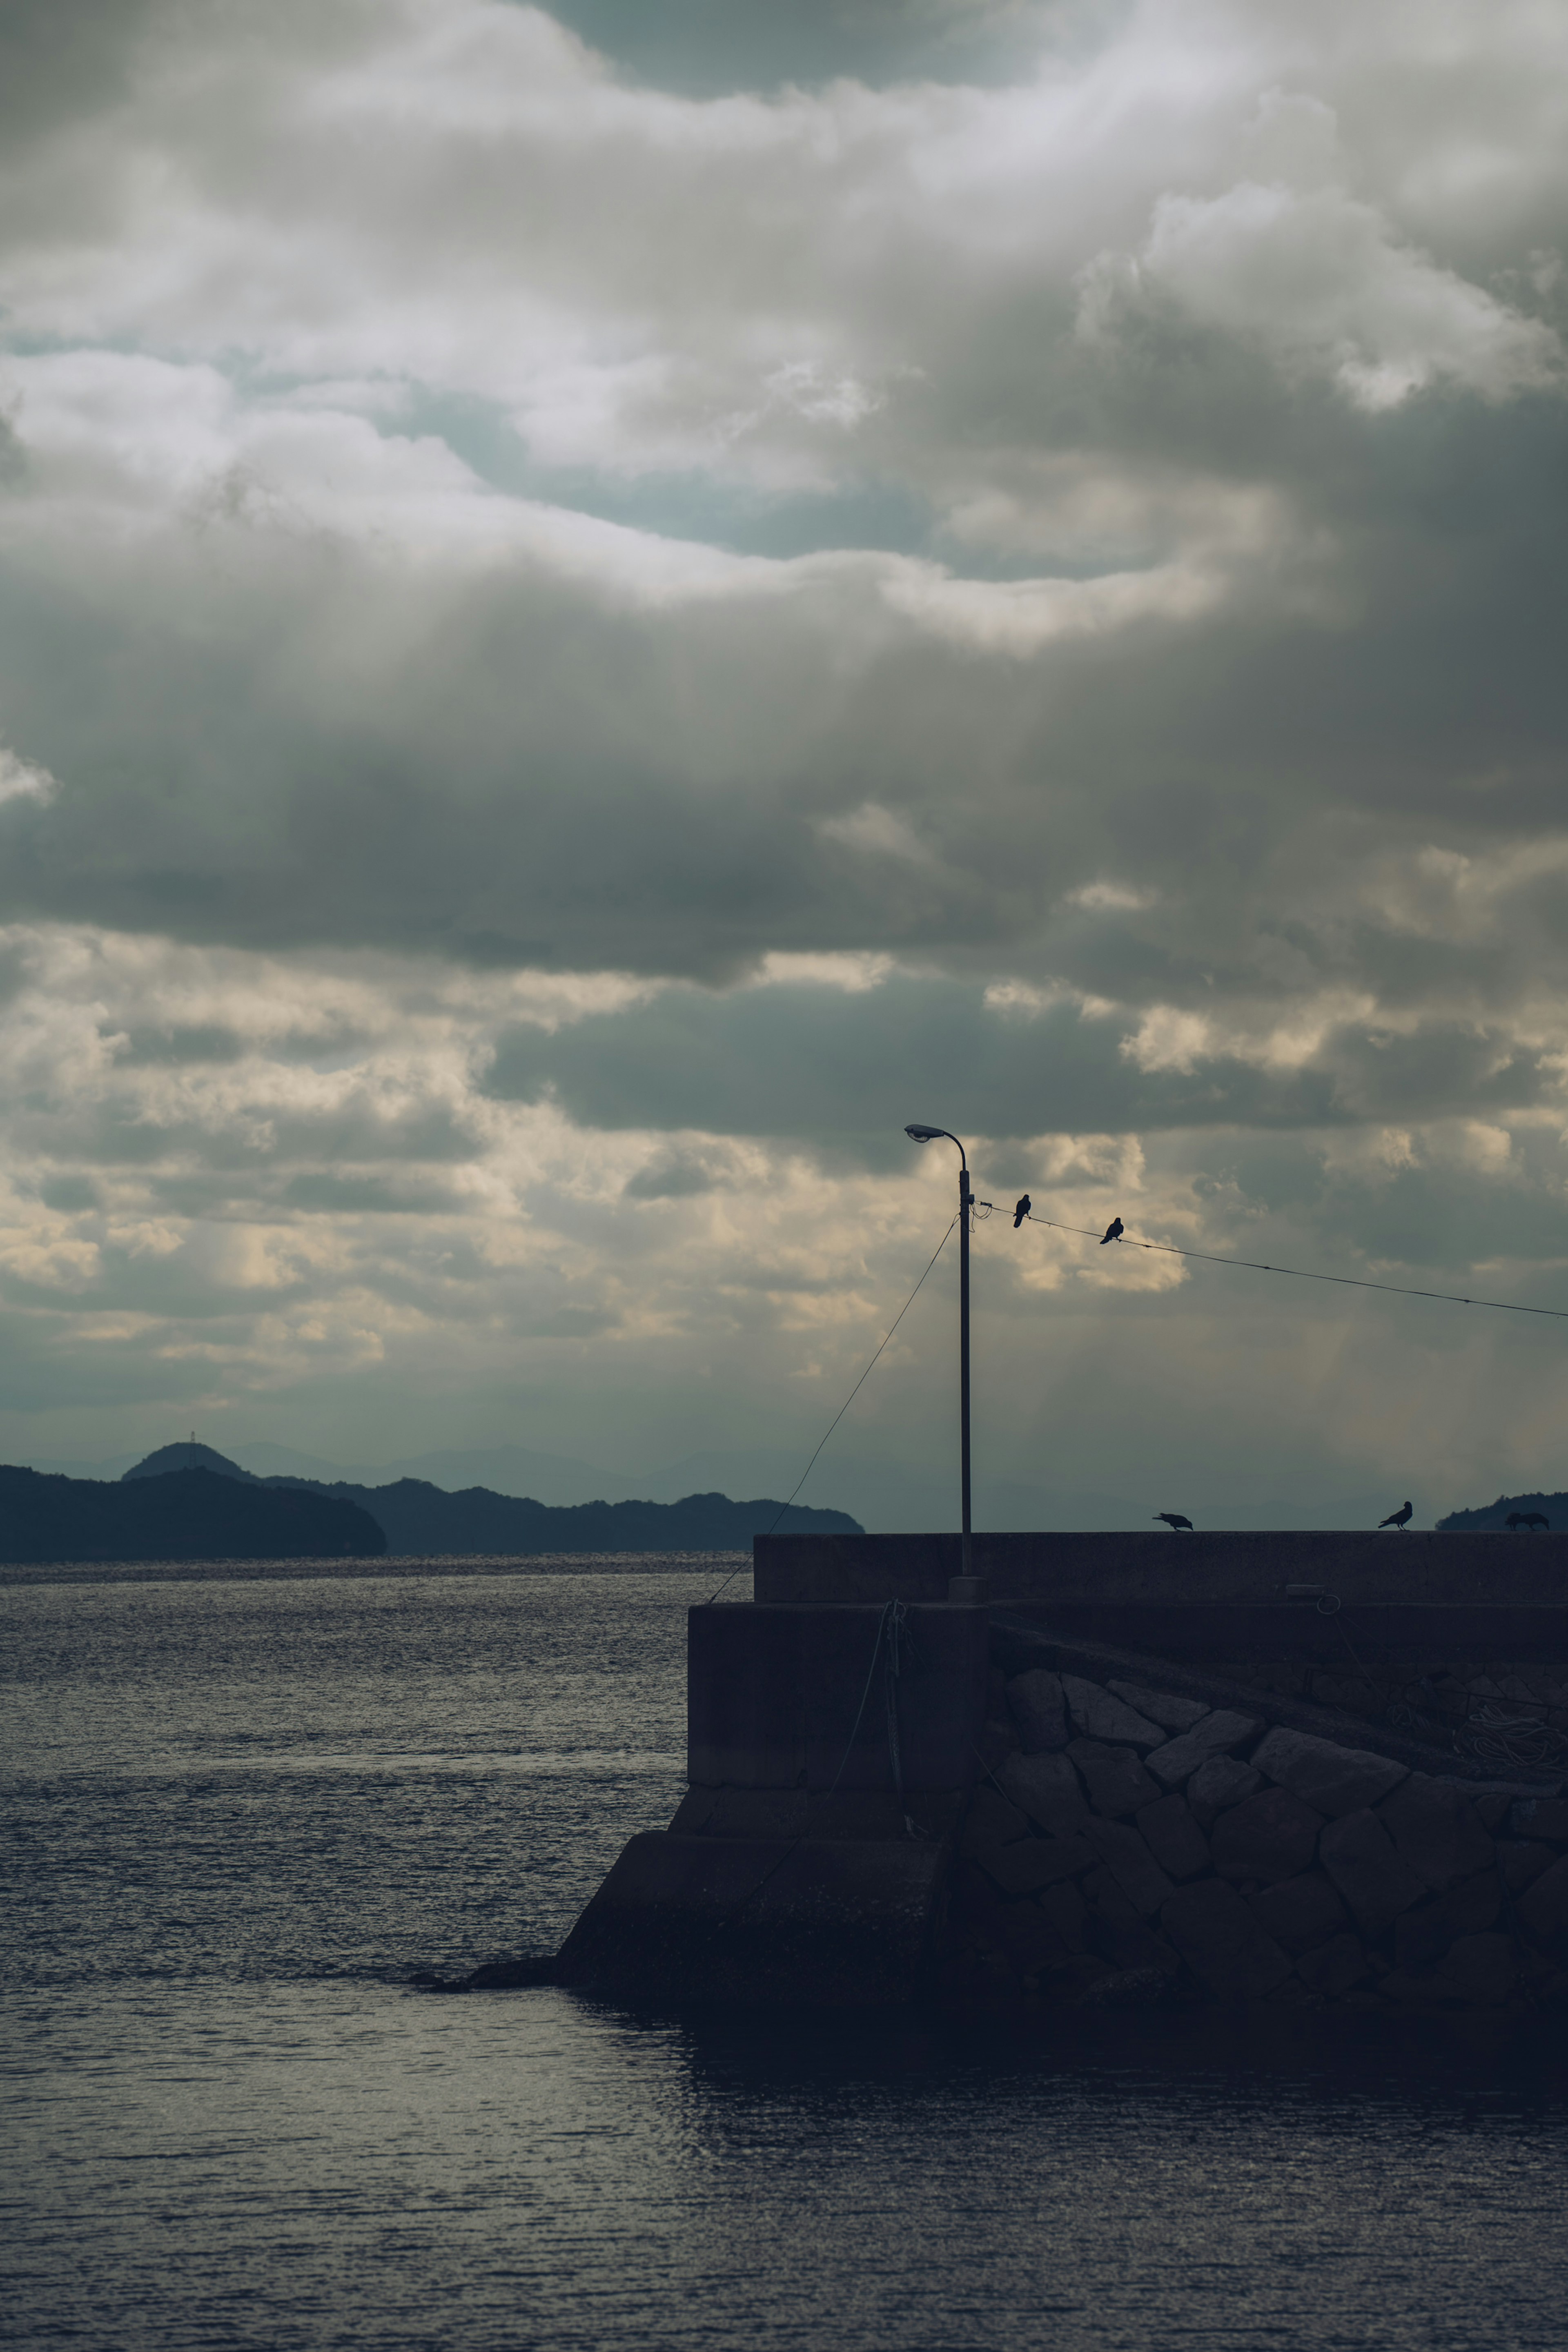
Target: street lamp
965 1203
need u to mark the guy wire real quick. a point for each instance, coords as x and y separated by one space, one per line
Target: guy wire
848 1400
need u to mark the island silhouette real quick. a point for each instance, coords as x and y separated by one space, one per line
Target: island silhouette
189 1502
1510 1511
189 1514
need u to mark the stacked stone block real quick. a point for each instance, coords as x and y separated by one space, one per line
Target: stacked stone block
1128 1844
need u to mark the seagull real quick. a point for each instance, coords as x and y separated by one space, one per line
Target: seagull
1021 1212
1400 1519
1174 1520
1113 1232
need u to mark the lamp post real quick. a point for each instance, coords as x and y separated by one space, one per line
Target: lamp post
966 1203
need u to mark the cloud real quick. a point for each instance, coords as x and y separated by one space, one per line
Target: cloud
1317 279
323 1210
311 672
844 1073
21 780
596 608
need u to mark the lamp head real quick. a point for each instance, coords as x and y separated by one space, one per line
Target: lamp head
924 1134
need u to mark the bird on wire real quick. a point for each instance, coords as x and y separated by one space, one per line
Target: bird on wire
1113 1232
1400 1519
1021 1212
1175 1521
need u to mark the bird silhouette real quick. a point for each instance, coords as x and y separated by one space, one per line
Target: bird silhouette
1113 1232
1175 1520
1400 1519
1021 1212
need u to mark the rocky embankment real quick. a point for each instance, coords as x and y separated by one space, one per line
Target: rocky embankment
1129 1842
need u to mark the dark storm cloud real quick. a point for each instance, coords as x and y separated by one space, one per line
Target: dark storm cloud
532 778
204 1042
60 62
1247 587
46 1364
811 1064
1021 587
679 1176
322 1191
196 1043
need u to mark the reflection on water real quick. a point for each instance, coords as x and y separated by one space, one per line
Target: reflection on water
240 1815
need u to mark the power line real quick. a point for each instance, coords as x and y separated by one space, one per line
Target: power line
849 1399
1302 1273
1163 1249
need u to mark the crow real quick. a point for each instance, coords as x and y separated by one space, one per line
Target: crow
1113 1232
1531 1519
1021 1212
1400 1519
1174 1520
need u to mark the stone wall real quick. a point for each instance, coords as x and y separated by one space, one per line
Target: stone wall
1133 1842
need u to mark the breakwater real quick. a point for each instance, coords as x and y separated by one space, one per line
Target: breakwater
897 1799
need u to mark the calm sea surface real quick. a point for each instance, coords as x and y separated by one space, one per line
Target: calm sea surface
240 1815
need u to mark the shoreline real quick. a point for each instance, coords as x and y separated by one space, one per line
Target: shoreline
24 1574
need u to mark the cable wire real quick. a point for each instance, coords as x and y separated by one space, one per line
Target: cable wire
1301 1274
849 1399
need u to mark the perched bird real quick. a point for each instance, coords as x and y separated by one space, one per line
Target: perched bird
1400 1519
1174 1519
1113 1232
1021 1212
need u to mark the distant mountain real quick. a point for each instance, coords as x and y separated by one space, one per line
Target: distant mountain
1552 1507
199 1514
507 1469
420 1520
188 1457
424 1521
558 1479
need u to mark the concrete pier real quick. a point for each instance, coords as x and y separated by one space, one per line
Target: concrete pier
1227 1596
829 1755
1133 1777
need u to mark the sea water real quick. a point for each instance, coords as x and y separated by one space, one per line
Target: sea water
243 1812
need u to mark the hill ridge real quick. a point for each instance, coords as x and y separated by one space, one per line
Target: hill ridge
179 1514
1554 1508
419 1519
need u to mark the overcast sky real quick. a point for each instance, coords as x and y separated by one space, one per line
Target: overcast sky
598 608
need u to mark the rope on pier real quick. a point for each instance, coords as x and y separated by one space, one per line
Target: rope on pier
1490 1735
1495 1734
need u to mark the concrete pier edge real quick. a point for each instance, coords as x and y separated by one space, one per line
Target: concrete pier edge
895 1799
